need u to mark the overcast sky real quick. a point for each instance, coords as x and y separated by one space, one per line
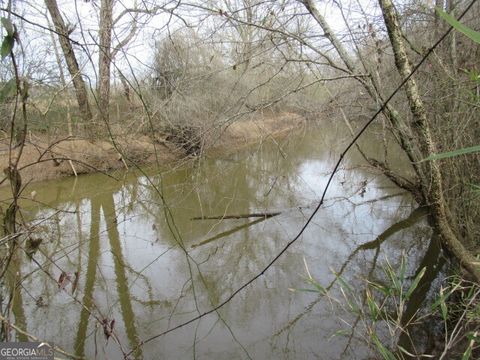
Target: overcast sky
83 15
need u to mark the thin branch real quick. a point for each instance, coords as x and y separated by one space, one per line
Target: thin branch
322 199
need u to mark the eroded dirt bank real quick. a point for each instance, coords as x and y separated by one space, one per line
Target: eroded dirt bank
42 160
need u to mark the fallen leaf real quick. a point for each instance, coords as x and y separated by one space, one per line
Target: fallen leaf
63 280
108 328
75 282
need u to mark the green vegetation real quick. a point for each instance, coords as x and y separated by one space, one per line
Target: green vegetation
383 312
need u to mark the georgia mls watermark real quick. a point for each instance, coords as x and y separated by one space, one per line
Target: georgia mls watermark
26 351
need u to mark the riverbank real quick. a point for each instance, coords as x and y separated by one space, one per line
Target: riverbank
46 160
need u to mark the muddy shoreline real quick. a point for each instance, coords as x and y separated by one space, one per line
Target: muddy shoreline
43 160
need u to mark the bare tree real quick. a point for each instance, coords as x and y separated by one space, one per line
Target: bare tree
105 57
109 50
63 32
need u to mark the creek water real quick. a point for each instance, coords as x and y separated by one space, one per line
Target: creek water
138 258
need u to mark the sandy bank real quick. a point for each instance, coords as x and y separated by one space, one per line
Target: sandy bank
41 160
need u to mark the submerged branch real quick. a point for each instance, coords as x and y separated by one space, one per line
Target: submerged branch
229 232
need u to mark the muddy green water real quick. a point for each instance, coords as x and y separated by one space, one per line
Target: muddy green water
143 262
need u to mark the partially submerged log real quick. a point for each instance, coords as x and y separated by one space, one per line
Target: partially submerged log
239 216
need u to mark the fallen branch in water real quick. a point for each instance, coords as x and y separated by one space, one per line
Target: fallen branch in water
240 216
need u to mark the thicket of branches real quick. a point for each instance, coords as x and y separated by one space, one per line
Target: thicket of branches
448 84
214 64
203 76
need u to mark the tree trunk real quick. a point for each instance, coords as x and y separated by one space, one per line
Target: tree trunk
64 84
431 183
415 138
399 126
71 60
105 35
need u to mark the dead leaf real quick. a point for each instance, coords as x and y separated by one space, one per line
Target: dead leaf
32 246
108 328
63 280
75 282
